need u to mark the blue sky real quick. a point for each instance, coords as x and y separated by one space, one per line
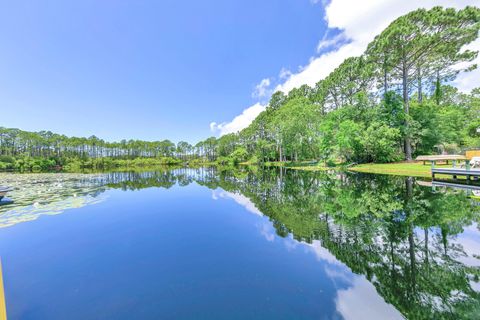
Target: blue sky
145 69
179 70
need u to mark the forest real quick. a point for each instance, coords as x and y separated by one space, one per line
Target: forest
394 102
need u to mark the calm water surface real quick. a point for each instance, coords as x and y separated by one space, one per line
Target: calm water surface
266 244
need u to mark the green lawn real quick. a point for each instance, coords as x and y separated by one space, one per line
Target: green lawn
399 168
411 169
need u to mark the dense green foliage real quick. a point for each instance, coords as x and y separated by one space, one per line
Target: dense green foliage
40 151
391 103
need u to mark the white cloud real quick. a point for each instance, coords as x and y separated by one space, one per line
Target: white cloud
358 22
262 89
356 297
213 126
361 301
323 254
238 198
267 230
467 81
290 243
239 122
469 240
284 73
331 43
323 2
319 68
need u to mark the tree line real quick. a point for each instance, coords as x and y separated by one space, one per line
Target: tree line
391 103
45 149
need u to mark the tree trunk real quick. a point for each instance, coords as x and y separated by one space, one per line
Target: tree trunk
411 246
419 79
411 241
425 230
437 89
385 84
406 106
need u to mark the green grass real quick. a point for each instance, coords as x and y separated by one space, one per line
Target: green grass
409 169
412 169
399 168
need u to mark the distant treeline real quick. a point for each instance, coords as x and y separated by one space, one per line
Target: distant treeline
391 103
14 142
45 150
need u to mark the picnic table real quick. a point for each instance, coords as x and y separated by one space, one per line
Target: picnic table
445 157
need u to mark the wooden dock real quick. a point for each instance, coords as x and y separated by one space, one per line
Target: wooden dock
467 187
3 306
463 170
466 172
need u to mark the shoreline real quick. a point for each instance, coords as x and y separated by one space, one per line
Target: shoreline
407 169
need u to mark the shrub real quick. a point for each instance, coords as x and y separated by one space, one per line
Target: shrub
380 143
7 159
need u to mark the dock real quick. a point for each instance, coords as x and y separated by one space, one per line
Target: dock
461 186
466 172
463 170
3 306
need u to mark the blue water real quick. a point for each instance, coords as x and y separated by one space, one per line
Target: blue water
183 252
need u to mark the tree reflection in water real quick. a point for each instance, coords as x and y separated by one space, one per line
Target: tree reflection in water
412 243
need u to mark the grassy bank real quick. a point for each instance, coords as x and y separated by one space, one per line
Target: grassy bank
411 169
104 164
397 168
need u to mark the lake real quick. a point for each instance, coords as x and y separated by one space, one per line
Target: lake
238 244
